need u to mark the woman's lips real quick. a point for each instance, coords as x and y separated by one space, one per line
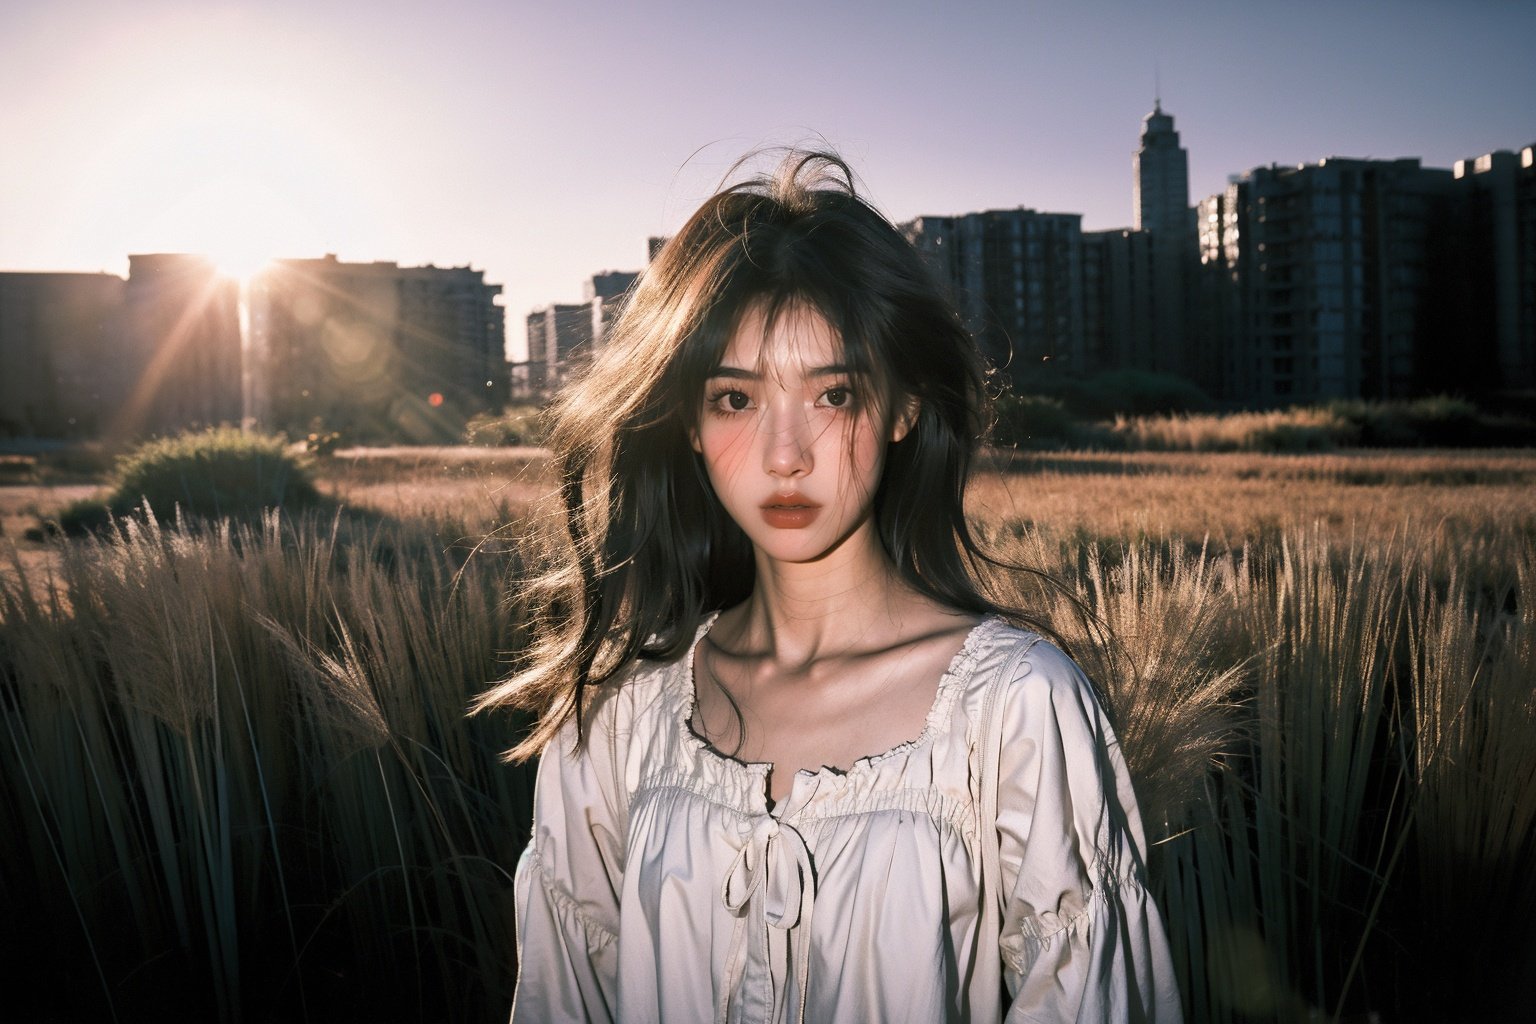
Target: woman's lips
789 511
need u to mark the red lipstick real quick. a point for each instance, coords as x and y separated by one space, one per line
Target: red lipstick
789 511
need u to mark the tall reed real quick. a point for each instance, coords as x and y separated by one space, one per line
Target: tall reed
1471 755
236 780
239 754
1334 744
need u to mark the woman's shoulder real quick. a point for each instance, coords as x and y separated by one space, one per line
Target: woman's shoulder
1029 694
1004 647
649 687
1024 667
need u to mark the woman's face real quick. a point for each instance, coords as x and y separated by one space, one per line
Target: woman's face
793 451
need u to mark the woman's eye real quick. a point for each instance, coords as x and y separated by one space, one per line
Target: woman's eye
837 398
733 401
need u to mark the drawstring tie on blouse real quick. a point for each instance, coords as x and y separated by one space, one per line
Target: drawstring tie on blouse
775 861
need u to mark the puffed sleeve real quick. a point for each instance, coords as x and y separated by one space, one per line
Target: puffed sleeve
1081 939
568 882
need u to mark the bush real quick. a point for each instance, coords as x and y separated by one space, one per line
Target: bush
1440 421
324 443
521 425
17 469
211 474
1141 393
1301 429
1119 393
1059 418
1032 421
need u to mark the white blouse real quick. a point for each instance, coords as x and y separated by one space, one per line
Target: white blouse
658 885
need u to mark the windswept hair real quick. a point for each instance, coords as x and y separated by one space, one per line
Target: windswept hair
648 548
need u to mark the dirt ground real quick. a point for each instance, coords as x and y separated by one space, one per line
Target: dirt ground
22 508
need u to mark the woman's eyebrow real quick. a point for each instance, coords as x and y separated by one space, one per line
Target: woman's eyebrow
734 373
741 373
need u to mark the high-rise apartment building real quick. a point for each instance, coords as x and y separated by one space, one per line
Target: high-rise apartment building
1017 279
557 333
183 345
374 350
64 368
610 285
1329 275
1119 299
1496 254
560 335
607 294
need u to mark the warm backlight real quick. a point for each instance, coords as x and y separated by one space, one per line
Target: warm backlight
239 224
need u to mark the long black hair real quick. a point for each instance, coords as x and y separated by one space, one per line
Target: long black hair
647 548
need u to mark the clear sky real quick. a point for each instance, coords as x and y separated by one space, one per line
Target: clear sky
545 141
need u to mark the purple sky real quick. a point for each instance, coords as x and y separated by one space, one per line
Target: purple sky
543 142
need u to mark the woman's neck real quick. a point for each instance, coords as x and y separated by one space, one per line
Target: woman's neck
799 612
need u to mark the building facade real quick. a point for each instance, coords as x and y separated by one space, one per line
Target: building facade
183 349
557 334
561 335
1119 300
1162 209
1216 323
607 293
1320 281
1495 247
375 351
1017 279
64 369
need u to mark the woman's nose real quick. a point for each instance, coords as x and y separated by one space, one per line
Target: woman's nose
787 446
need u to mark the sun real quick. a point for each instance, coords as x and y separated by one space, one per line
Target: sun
239 224
212 131
237 264
212 176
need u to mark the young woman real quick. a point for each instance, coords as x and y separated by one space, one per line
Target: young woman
796 765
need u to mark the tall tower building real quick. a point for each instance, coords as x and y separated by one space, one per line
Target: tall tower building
1163 211
1162 177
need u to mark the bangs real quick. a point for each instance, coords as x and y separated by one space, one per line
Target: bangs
815 250
855 353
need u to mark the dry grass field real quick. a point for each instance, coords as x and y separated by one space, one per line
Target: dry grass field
236 775
1225 497
1232 497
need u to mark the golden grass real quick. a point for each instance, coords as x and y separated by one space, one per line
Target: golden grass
1275 430
228 749
245 751
1224 498
484 488
1227 498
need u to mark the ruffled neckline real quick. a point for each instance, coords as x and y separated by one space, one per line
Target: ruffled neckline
750 775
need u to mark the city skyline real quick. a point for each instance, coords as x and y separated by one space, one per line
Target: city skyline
543 147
